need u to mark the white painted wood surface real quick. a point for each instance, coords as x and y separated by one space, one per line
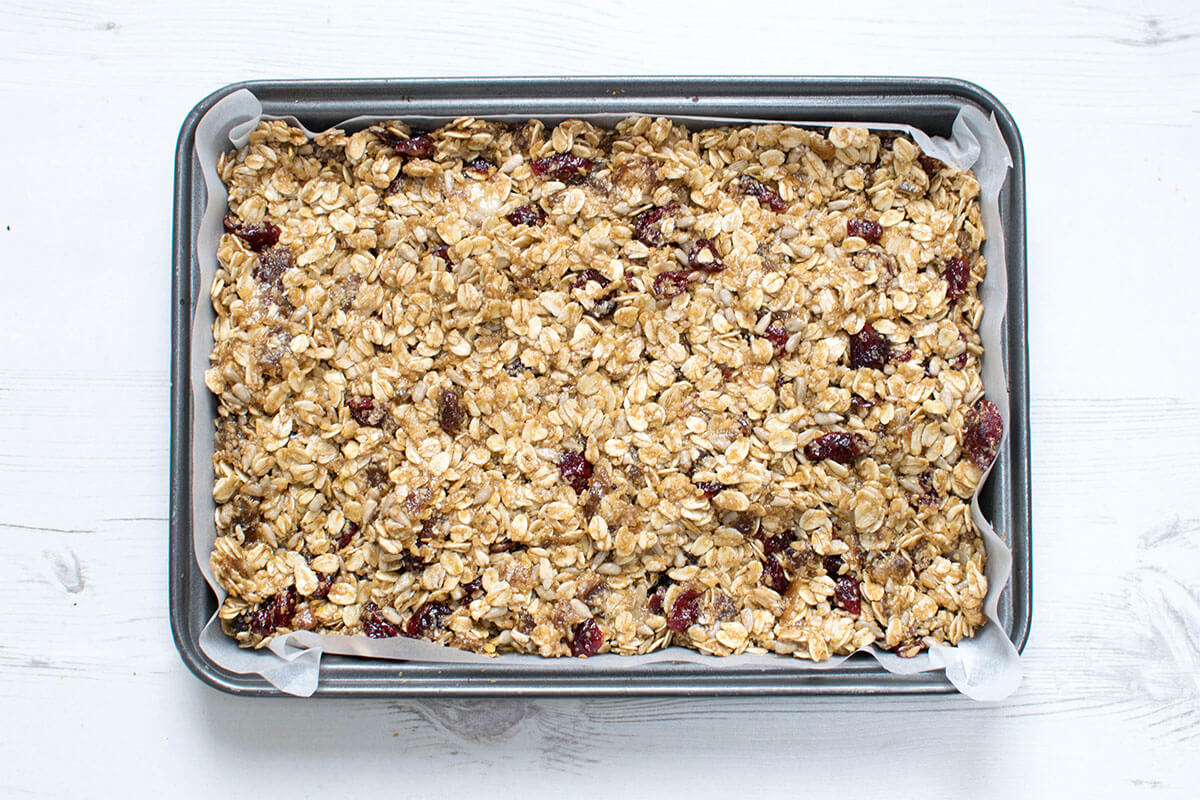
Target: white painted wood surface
94 699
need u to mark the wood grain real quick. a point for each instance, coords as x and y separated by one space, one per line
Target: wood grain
95 700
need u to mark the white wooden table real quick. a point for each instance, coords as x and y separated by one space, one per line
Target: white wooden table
93 697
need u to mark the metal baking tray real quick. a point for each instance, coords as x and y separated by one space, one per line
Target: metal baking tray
927 103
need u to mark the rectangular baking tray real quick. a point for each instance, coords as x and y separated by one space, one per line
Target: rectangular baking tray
927 103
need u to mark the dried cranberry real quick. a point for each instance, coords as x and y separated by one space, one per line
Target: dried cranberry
930 164
375 625
502 546
576 470
774 576
526 215
775 544
386 136
982 433
262 620
395 186
832 565
450 412
418 146
377 476
272 263
777 335
929 496
257 236
844 448
412 563
865 229
349 531
726 372
869 349
672 283
587 639
364 412
861 404
697 260
746 525
480 165
474 586
710 489
443 252
645 225
685 611
430 616
846 592
582 278
324 584
283 607
956 272
560 166
657 592
763 194
603 309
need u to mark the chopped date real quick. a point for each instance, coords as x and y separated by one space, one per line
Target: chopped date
257 236
763 194
868 348
865 229
587 639
844 448
375 625
671 283
526 215
561 166
983 431
645 225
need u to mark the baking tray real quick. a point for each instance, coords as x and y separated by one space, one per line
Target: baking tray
927 103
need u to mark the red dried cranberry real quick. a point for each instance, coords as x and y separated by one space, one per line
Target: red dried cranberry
869 349
710 489
774 576
657 592
685 611
364 412
672 283
983 431
412 563
832 565
262 620
861 404
418 146
763 194
576 470
283 607
775 544
257 236
480 165
602 309
502 546
865 229
844 448
526 215
395 186
696 259
560 166
450 412
272 263
324 584
956 272
930 164
587 639
777 335
377 476
726 372
645 225
349 531
430 616
474 586
929 496
443 252
846 592
386 136
375 625
582 278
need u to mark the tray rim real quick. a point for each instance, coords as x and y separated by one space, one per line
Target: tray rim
660 680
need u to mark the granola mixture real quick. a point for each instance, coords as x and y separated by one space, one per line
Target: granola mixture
584 390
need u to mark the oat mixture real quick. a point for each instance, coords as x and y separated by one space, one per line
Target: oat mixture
583 390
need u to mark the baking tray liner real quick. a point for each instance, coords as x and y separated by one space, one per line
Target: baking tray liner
293 666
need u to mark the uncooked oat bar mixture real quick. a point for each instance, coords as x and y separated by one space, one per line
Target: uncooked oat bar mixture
581 390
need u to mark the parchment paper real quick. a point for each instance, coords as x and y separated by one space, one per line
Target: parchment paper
985 667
